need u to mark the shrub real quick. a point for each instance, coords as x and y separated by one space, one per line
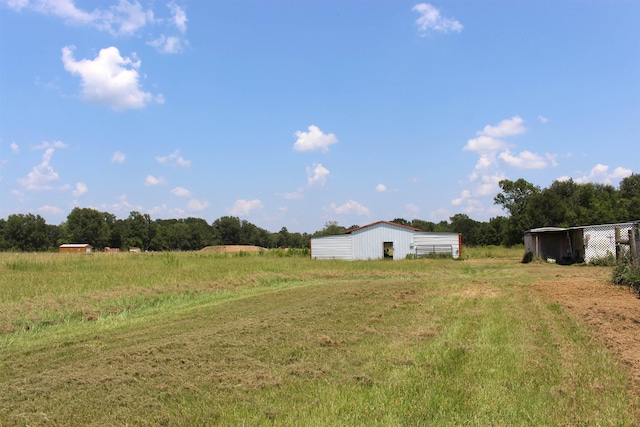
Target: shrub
528 257
606 261
627 272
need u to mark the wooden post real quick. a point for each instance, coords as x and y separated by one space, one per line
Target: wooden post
632 245
618 251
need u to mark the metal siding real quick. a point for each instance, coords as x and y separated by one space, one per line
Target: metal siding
367 243
438 241
332 247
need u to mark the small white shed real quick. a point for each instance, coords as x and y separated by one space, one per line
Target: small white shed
577 244
384 240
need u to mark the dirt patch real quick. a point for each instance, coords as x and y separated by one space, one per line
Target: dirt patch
232 248
612 311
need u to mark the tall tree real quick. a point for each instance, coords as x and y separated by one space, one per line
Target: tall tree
546 209
200 233
3 235
228 228
461 223
140 230
424 225
630 198
86 225
401 221
514 198
26 232
54 235
330 228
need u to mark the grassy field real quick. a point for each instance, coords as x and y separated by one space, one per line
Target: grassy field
248 339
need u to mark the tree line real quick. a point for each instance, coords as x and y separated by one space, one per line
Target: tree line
562 204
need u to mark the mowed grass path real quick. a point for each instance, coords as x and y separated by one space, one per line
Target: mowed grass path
200 339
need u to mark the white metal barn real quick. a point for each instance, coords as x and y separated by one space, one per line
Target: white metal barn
384 240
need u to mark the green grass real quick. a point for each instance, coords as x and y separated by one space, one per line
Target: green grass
491 251
198 339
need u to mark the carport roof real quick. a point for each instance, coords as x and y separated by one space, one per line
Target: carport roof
546 230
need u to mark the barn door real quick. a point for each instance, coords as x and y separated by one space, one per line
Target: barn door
387 250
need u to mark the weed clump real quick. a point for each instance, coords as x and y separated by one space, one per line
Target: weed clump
627 272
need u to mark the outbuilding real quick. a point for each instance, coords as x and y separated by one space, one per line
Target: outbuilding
83 248
385 240
577 244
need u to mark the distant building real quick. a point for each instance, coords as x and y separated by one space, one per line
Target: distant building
576 244
83 248
385 240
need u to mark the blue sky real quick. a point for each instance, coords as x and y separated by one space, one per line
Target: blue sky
295 113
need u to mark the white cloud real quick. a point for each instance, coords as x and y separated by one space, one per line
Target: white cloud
151 181
491 148
16 4
467 203
174 159
168 44
526 160
466 194
118 157
109 79
543 119
195 205
314 140
381 188
45 145
50 210
15 148
621 173
181 192
440 215
244 207
317 176
124 18
411 210
41 176
81 189
506 128
431 20
18 194
488 184
600 174
127 16
296 195
121 206
179 18
350 207
484 144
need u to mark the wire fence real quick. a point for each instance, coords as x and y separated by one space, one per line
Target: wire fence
423 251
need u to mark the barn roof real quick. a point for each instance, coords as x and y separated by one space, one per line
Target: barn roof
382 222
76 245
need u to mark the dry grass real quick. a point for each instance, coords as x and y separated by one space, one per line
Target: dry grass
233 249
258 340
